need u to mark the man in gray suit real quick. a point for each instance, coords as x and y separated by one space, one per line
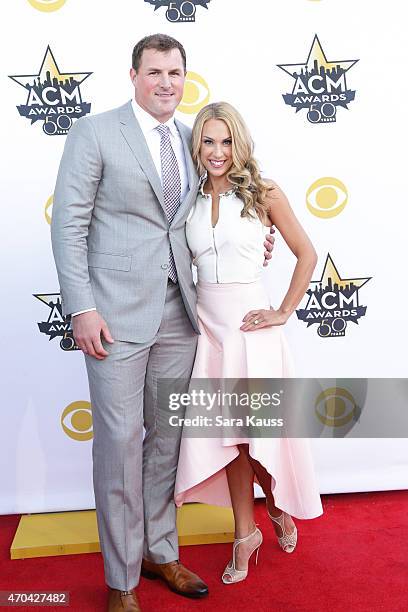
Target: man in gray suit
125 186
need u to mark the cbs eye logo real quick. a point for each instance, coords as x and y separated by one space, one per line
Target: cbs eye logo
76 421
47 6
48 209
196 94
326 197
336 407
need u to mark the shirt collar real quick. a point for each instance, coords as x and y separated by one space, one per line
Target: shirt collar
148 123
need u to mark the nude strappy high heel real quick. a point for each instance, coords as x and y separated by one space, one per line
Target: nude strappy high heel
288 540
231 573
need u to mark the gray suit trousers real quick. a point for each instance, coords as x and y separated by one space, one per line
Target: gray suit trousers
134 476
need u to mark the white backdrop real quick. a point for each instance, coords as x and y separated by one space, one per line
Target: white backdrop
235 49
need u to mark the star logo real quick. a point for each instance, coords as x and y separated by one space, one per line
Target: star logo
53 96
316 59
333 301
56 325
49 70
50 299
320 85
330 276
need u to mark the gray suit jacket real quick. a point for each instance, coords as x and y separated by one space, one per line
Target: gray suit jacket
110 234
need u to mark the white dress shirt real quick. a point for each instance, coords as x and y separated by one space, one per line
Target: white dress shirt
148 124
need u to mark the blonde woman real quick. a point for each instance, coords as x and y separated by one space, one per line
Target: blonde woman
241 335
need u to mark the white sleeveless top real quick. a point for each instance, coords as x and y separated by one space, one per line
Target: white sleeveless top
230 252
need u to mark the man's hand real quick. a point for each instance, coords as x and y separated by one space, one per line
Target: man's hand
269 244
87 329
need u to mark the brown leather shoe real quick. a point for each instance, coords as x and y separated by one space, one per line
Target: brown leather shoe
122 601
178 578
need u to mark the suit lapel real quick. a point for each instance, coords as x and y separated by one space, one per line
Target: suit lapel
132 133
191 172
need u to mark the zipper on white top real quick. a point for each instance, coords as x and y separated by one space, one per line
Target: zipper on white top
213 236
216 255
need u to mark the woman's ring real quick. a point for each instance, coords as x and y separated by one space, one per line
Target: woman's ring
256 321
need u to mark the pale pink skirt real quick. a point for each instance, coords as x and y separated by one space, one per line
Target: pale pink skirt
226 352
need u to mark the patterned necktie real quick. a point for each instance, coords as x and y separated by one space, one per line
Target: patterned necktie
171 185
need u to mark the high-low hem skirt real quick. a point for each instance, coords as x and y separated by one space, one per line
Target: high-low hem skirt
224 351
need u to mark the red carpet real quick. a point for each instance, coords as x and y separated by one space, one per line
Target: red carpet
354 558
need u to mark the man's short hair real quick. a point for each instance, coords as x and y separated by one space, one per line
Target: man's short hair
160 42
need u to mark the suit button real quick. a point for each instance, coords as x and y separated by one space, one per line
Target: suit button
164 266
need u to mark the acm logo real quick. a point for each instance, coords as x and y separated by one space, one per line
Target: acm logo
320 85
53 97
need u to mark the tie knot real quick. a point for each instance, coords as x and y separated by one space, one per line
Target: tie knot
163 129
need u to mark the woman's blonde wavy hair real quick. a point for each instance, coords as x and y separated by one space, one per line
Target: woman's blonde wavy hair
244 173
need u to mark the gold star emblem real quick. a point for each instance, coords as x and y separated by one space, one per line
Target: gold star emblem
316 54
51 299
48 72
331 277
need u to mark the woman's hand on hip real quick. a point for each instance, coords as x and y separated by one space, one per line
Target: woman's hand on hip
258 319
